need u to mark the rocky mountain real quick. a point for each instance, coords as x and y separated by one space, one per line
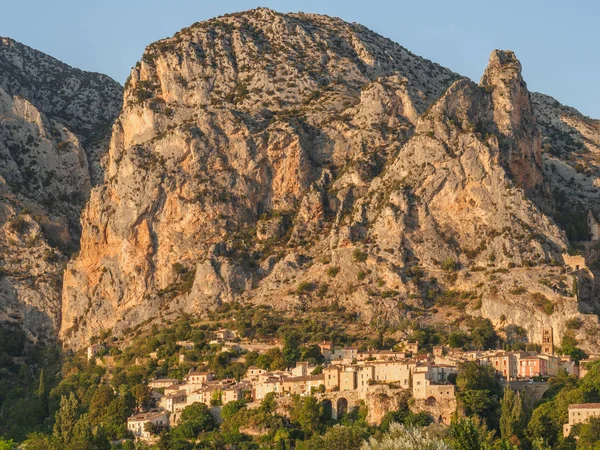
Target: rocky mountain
571 155
54 125
297 160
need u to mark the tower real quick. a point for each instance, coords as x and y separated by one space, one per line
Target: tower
547 341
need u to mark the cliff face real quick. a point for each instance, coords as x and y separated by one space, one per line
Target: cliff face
297 160
230 135
571 153
53 122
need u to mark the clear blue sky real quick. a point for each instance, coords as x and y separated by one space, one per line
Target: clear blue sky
558 42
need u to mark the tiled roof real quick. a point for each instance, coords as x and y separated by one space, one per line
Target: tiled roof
147 415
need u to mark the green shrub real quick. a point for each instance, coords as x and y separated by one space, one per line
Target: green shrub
449 265
322 291
518 291
18 224
359 256
574 324
305 287
542 302
333 271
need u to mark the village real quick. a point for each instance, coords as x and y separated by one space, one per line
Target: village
349 375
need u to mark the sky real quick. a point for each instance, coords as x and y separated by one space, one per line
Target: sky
557 42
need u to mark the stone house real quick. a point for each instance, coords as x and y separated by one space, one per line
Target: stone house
393 371
347 354
348 378
233 393
506 364
552 364
224 334
431 382
566 363
187 345
326 350
94 349
174 402
302 385
331 376
162 383
302 369
579 413
266 386
199 377
136 423
379 355
253 372
410 347
204 395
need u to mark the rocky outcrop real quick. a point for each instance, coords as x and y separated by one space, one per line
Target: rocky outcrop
571 158
519 137
235 125
53 120
296 160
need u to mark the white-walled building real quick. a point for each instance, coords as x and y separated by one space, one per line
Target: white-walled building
137 423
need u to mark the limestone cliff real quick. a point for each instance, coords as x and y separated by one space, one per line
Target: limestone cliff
296 160
53 122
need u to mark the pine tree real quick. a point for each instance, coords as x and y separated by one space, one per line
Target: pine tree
42 394
511 418
66 418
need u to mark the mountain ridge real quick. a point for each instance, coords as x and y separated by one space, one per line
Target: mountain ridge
53 129
263 140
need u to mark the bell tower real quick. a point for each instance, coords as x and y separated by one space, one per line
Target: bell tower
547 341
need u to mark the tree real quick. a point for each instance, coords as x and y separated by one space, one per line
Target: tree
401 437
291 350
39 441
142 395
541 427
231 408
336 438
483 334
115 419
216 399
568 346
465 434
478 391
66 419
590 384
268 405
312 354
151 428
7 445
41 392
101 399
87 437
307 412
589 434
195 419
457 339
547 419
512 415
